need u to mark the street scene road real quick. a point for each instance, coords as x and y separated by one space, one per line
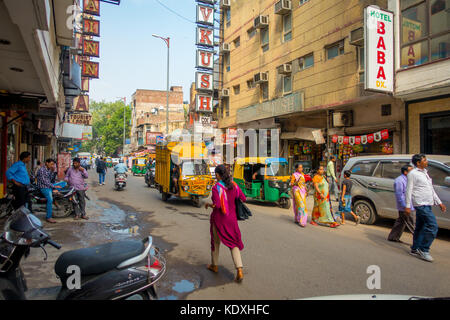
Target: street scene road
281 259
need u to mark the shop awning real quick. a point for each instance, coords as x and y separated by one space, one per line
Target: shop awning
299 134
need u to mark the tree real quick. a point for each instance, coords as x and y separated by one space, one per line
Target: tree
107 128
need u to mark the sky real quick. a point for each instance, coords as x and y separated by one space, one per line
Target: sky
130 58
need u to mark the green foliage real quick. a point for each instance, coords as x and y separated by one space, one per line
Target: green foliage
107 128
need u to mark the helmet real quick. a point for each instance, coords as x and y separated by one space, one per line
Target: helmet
120 161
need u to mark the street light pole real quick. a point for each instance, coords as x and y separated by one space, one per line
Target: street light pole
167 41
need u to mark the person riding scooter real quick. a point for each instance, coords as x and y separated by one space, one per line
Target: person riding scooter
120 168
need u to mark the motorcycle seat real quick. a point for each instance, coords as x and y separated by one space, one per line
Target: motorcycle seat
98 259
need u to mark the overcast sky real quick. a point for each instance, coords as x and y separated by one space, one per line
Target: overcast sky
130 58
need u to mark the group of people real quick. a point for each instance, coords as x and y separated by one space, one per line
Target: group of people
322 213
45 180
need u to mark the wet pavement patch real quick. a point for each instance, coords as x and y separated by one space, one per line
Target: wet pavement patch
184 286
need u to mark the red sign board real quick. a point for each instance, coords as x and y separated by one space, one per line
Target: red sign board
151 138
91 27
91 48
89 69
91 7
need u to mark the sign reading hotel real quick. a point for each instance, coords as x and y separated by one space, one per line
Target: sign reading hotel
379 49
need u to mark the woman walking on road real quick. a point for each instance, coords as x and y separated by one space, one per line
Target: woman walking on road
322 213
298 184
345 203
224 225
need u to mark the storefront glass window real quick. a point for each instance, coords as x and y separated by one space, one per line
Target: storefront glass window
440 47
440 15
415 54
436 134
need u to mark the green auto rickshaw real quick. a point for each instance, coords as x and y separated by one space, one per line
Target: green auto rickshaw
264 179
139 166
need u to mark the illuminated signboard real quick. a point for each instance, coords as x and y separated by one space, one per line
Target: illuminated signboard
91 27
205 37
89 69
379 49
205 59
91 48
91 7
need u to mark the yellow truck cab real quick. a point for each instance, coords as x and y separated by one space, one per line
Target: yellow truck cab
182 171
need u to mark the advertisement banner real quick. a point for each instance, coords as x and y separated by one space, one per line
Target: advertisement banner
64 160
379 49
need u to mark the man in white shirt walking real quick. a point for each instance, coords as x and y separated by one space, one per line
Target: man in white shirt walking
420 194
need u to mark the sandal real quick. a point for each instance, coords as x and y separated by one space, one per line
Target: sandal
212 268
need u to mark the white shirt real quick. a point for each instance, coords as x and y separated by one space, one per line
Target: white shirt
420 189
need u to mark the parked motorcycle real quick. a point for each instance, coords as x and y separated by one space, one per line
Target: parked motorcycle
121 181
63 201
150 178
116 270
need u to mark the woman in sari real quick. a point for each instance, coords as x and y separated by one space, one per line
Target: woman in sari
322 213
224 226
299 192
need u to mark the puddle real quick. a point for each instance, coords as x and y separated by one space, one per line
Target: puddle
183 286
131 230
169 298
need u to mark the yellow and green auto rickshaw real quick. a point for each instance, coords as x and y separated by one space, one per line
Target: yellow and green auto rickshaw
108 162
139 166
187 163
264 179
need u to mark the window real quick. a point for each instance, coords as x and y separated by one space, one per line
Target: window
306 61
361 64
335 50
237 89
302 2
251 33
237 42
425 31
251 84
287 84
228 17
437 174
364 168
265 39
287 27
264 87
386 110
390 170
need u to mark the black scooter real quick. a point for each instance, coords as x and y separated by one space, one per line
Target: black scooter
150 178
116 270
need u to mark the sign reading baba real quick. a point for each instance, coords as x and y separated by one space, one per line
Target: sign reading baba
379 49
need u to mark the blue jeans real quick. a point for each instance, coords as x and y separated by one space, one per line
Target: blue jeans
48 193
101 177
426 229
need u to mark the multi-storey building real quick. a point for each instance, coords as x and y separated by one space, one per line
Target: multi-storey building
149 113
298 66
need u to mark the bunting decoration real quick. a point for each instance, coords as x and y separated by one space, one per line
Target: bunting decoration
364 139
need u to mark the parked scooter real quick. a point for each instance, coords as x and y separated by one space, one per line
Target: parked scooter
150 177
121 181
116 270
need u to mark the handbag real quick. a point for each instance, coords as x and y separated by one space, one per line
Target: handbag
242 211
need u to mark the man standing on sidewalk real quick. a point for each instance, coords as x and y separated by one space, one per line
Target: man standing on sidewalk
331 177
404 219
101 170
421 194
75 177
44 181
18 175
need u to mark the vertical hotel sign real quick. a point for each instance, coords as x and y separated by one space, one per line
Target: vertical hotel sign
204 79
379 49
90 48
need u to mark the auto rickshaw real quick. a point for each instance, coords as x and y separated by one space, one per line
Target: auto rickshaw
264 179
108 162
139 166
187 162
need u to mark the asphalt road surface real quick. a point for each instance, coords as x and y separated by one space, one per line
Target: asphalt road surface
281 260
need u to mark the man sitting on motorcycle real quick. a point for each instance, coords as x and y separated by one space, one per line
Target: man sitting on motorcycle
45 182
120 168
75 176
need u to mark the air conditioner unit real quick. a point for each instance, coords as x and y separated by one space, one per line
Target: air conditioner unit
285 68
261 22
261 77
357 37
162 108
283 7
154 111
343 119
225 4
224 93
225 48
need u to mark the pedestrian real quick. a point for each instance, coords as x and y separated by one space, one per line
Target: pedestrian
101 170
322 206
223 222
403 220
38 166
331 177
298 184
84 163
45 182
345 203
75 176
18 175
175 178
420 194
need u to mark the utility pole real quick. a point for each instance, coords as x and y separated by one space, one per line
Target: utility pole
167 41
124 99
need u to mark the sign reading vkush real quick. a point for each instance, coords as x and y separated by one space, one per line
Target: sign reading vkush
379 49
